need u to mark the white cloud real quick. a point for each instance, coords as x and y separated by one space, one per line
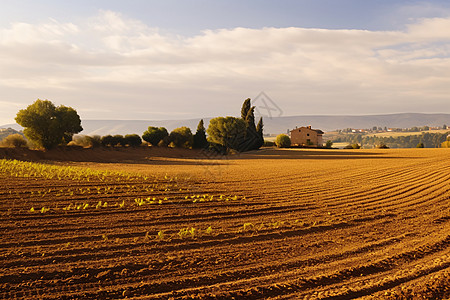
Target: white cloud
114 61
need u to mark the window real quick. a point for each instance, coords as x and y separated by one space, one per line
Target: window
307 134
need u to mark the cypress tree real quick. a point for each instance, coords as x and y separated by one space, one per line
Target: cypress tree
200 140
245 108
259 131
251 136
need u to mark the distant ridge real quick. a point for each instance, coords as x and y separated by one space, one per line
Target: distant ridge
273 125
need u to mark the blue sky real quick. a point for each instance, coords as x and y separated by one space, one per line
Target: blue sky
191 17
191 59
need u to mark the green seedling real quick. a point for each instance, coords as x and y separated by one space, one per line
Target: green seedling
248 226
161 235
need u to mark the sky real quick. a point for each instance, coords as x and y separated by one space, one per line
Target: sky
186 59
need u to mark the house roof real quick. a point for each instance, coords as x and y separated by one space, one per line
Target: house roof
309 128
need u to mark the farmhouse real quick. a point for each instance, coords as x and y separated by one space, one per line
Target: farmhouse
306 136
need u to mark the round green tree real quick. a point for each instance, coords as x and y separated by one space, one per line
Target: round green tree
154 135
228 132
133 140
283 141
47 125
182 137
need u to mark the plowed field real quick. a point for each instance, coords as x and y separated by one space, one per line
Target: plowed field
281 224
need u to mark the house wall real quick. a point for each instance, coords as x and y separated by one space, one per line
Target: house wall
300 136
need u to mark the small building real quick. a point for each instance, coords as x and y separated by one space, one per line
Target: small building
306 136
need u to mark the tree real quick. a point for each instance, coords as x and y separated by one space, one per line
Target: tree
182 137
228 132
445 144
283 141
86 141
329 144
382 146
260 134
252 139
47 125
200 141
352 146
133 140
15 140
118 139
154 135
245 108
107 141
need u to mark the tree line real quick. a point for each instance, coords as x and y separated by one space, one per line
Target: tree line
426 139
48 126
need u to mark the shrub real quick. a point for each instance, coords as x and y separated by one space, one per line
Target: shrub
107 141
154 135
112 141
420 145
118 139
182 137
14 141
95 141
283 141
329 144
382 146
133 140
445 144
352 146
86 141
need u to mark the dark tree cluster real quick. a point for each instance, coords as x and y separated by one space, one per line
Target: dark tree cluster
239 134
131 140
253 138
48 126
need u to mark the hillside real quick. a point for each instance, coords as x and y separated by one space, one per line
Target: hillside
4 132
273 125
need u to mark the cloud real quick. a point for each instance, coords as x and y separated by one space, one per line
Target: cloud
114 61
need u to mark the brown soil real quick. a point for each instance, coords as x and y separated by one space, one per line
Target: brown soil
79 154
281 224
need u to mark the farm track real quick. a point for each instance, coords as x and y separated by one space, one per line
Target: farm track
376 226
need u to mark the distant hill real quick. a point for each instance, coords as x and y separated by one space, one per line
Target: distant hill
4 132
273 125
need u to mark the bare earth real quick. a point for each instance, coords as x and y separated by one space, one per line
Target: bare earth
271 224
